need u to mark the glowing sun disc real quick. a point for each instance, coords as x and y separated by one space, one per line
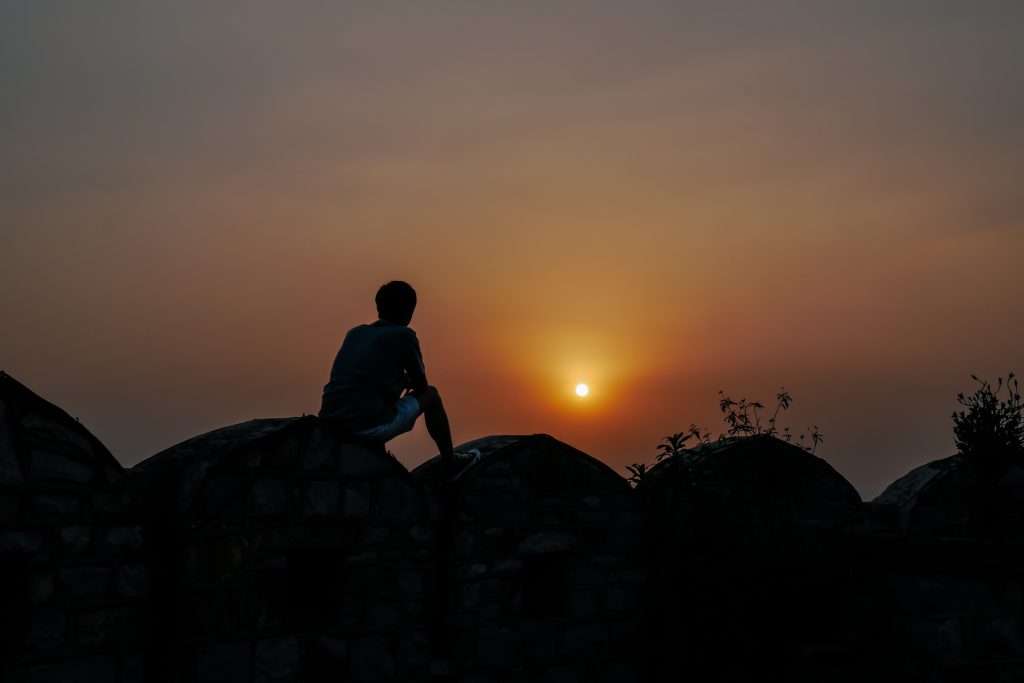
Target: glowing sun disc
582 390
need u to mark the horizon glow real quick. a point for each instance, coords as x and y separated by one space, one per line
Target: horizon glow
665 200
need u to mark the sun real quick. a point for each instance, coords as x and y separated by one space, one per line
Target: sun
582 390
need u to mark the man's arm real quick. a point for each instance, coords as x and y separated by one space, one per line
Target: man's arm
414 365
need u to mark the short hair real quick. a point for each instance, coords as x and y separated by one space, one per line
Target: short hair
396 301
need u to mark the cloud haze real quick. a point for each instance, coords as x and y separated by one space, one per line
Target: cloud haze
659 201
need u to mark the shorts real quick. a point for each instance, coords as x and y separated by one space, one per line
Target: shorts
407 410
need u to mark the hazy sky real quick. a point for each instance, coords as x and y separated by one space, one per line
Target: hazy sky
198 199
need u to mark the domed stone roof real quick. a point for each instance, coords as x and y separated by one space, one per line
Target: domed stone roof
73 578
760 482
538 462
215 464
291 553
545 551
949 498
753 561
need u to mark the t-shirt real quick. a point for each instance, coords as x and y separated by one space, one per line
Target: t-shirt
374 365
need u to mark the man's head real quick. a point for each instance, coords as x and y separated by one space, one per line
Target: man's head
396 301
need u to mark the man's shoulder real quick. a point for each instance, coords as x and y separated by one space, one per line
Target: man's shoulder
382 328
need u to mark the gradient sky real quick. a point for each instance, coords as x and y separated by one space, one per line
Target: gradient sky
198 199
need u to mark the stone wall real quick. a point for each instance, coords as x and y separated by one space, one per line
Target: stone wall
276 550
755 574
945 609
949 498
73 579
546 565
289 555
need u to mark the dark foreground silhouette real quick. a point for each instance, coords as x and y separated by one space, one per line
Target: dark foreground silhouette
278 550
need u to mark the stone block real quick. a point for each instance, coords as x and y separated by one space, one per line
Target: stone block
410 582
132 581
626 532
10 468
276 660
592 518
40 589
223 556
542 641
132 668
995 637
357 499
385 614
546 542
21 541
84 583
370 658
399 500
322 497
268 496
224 498
57 467
508 565
54 506
356 460
225 662
46 634
617 600
633 575
582 604
324 659
509 482
10 507
110 503
470 594
58 434
936 637
281 455
420 534
375 535
116 625
413 651
318 456
492 612
98 668
122 537
496 590
497 647
76 537
938 595
113 474
584 639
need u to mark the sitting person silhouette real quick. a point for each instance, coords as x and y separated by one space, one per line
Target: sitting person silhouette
378 385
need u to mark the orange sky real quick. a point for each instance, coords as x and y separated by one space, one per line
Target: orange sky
657 201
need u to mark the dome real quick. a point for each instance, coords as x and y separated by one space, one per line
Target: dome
289 550
73 579
544 550
758 486
948 498
754 567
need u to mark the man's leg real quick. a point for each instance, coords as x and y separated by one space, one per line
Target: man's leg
437 422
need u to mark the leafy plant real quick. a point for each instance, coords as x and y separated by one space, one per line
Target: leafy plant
990 430
743 418
637 473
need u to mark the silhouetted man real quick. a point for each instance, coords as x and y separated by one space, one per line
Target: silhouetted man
375 366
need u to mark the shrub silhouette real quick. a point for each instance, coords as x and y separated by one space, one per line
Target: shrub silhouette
743 419
989 432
